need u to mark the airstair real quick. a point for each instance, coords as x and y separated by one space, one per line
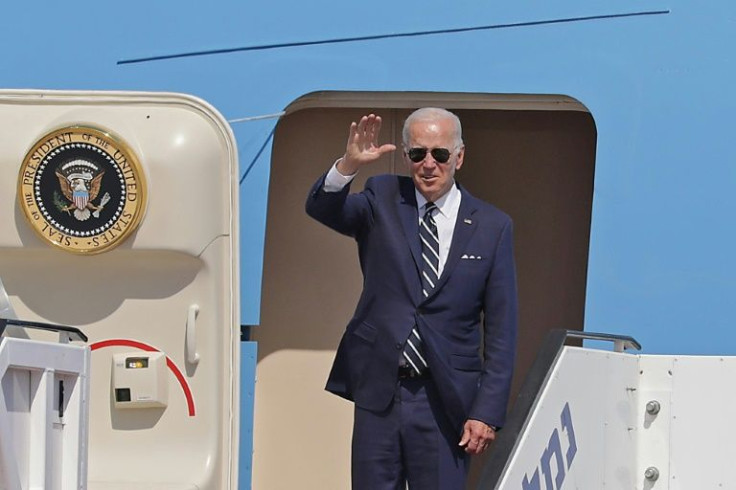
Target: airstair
597 419
44 388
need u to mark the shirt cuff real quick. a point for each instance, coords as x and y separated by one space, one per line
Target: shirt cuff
335 181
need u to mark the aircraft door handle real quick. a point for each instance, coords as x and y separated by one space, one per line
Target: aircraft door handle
191 335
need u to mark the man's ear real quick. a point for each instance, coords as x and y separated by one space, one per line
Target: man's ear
460 157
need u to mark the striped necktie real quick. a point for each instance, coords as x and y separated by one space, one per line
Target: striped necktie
430 250
414 350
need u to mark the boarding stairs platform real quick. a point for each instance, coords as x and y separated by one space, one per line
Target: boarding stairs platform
595 419
44 388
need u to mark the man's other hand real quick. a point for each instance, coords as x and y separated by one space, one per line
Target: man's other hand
477 436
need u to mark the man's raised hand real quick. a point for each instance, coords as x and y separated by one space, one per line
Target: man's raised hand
362 147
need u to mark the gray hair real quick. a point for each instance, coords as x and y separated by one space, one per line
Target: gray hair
433 114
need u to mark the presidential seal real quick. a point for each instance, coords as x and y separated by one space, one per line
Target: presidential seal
82 190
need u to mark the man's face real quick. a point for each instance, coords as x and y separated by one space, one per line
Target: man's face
432 178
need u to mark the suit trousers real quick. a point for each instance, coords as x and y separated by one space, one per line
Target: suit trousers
409 442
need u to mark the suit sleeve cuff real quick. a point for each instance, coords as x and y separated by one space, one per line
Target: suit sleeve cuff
335 181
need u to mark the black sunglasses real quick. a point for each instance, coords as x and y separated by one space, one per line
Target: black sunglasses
416 155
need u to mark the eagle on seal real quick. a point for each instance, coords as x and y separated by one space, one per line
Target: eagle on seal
81 189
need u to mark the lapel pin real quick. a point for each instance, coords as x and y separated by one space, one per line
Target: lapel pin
468 221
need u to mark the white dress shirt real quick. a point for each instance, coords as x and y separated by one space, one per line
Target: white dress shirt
448 207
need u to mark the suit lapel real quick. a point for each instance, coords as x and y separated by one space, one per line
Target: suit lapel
407 206
465 226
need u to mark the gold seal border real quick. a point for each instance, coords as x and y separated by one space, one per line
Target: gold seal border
138 175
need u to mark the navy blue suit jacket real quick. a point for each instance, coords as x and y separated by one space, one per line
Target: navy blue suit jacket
475 295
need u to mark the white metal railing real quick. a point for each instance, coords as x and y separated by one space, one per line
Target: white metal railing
44 416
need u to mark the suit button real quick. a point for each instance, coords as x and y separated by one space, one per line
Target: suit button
398 346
